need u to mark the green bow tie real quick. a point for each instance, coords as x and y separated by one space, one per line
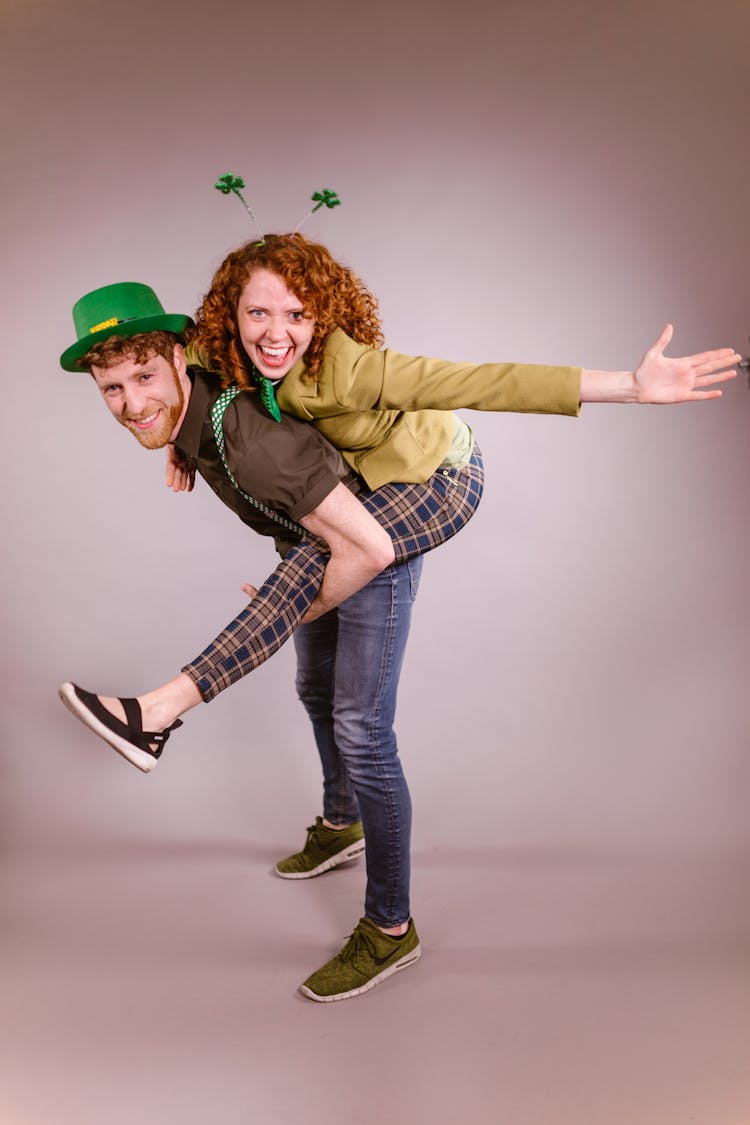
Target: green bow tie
267 394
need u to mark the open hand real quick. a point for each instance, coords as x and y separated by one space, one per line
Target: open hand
659 379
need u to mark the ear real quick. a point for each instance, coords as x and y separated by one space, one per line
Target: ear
180 366
179 360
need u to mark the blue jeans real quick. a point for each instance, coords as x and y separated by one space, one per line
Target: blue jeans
348 667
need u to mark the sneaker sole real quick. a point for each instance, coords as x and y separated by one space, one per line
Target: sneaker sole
344 856
138 758
408 959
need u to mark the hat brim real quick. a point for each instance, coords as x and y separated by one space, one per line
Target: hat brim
166 322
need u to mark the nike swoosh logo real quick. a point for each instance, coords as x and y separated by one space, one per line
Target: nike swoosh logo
390 957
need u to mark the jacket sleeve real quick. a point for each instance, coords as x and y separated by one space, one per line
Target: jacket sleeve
365 379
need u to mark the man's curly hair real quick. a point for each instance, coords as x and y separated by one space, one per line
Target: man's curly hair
140 348
328 291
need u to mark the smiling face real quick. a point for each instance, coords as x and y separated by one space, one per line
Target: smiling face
273 327
148 397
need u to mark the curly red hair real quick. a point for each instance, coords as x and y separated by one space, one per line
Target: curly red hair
329 292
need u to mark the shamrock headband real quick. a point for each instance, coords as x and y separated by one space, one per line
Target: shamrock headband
229 183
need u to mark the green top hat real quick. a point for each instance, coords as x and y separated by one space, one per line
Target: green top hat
124 309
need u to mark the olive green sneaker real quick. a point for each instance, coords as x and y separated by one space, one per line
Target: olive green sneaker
368 957
324 848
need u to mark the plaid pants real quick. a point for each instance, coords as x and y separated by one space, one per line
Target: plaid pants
418 518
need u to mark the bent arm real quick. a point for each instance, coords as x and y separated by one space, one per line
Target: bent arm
417 518
360 548
282 603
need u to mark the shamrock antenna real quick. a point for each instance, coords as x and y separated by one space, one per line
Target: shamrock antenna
324 198
231 183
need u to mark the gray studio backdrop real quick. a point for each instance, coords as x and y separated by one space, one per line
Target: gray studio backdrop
530 181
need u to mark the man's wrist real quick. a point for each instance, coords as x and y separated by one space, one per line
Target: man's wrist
315 610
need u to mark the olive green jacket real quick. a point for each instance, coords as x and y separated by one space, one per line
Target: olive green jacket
389 414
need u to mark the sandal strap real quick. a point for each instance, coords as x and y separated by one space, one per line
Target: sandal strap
159 737
132 731
132 709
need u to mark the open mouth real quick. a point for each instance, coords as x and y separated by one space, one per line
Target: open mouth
274 357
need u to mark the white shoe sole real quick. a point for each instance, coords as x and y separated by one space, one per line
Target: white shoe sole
138 758
343 856
408 959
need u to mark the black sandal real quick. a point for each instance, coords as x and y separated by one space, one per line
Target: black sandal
128 738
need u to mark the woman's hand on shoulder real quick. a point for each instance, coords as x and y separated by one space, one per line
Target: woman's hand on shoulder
180 471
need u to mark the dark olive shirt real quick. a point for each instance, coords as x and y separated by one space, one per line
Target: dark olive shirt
286 465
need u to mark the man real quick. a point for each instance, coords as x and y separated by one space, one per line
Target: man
130 346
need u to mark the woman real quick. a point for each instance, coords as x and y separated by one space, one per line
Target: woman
283 311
